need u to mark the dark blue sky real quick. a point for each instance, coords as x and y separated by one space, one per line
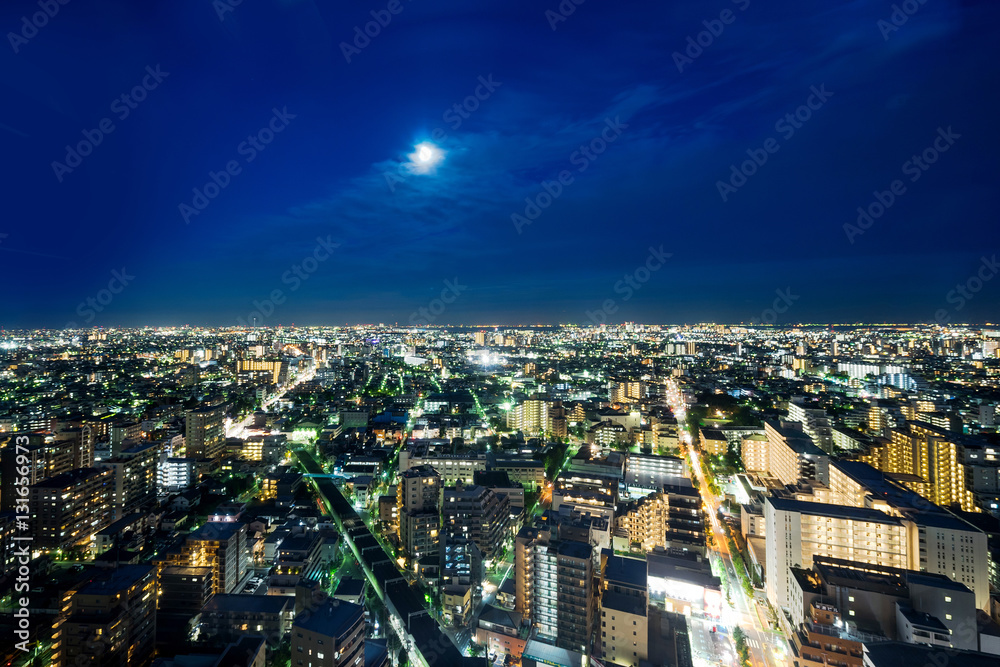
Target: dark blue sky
398 238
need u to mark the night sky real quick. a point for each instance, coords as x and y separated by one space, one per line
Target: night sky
328 207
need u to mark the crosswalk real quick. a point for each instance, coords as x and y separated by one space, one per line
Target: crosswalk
753 643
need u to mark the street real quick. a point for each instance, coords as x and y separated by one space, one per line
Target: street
767 648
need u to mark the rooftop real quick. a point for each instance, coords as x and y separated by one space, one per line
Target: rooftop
113 581
256 604
833 511
333 618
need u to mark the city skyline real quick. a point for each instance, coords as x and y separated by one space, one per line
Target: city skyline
517 161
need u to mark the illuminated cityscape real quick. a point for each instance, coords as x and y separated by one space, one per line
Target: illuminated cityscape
503 333
631 494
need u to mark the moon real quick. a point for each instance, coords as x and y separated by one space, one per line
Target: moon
424 157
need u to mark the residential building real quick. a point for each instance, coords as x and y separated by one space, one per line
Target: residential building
555 588
419 502
330 635
480 513
205 432
68 509
109 619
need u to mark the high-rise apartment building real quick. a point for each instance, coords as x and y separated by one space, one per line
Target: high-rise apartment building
418 497
68 508
792 456
798 530
331 635
276 367
632 391
478 512
135 477
554 588
38 459
662 517
754 453
624 618
531 416
944 463
875 603
815 422
462 572
205 436
221 546
865 517
938 541
108 620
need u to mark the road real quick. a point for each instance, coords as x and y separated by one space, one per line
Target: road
238 430
767 648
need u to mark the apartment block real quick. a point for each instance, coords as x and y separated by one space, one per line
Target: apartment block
875 603
661 518
332 635
221 546
815 422
135 477
799 530
938 541
419 501
110 620
792 456
554 588
754 453
66 510
478 512
624 617
205 432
